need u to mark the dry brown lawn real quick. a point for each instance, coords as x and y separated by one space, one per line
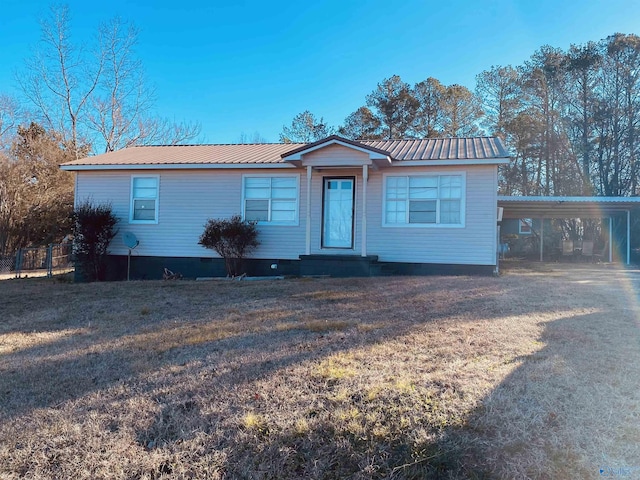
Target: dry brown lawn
530 375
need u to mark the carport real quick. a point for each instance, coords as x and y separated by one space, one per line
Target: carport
542 208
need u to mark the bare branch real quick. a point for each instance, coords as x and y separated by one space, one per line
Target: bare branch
60 79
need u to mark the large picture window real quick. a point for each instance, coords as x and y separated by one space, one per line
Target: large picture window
144 199
271 199
424 200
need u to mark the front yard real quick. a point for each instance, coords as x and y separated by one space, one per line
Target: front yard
530 375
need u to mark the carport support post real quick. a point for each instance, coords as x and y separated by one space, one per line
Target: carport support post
541 237
50 260
610 238
628 237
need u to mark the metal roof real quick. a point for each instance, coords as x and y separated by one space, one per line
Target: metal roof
470 148
266 154
232 154
564 207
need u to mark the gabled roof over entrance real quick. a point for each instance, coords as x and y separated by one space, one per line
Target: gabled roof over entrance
432 151
374 153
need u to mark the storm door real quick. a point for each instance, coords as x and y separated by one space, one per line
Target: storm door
337 213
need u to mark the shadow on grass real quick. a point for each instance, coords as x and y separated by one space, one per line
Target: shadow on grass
265 329
567 411
119 331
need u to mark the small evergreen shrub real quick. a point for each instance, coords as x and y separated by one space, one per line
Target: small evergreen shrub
232 239
93 230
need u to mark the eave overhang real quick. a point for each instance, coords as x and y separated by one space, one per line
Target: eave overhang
437 163
175 166
565 207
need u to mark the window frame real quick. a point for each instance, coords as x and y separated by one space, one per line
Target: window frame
296 221
463 197
528 222
132 200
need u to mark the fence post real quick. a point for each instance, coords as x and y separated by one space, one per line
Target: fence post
18 263
50 260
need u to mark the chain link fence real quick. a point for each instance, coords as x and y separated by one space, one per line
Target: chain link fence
7 266
38 261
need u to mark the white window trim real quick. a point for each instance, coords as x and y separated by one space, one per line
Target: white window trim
530 223
463 200
295 222
131 199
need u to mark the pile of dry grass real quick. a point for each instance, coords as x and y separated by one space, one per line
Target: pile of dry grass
528 375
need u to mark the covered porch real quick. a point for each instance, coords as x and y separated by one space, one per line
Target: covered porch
543 208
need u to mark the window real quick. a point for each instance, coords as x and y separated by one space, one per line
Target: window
144 199
271 199
424 200
525 225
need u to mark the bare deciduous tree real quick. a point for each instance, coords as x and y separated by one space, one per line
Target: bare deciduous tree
255 138
97 96
11 115
61 78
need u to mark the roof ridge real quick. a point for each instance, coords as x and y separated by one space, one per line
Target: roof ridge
307 143
213 144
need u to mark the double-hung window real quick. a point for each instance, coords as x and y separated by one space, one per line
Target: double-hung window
271 200
144 199
424 200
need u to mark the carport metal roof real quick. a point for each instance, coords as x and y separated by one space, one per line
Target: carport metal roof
570 207
565 207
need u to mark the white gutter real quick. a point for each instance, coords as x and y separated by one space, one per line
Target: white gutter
555 200
208 166
437 163
174 166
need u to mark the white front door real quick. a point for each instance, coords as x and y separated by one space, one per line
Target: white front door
337 213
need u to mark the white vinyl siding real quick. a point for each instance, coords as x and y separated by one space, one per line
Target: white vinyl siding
187 199
424 200
144 199
472 243
272 200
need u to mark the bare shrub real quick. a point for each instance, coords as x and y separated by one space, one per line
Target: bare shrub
93 230
232 239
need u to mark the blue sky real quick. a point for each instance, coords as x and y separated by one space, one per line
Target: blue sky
250 66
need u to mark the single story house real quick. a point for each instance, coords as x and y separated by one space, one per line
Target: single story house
331 207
